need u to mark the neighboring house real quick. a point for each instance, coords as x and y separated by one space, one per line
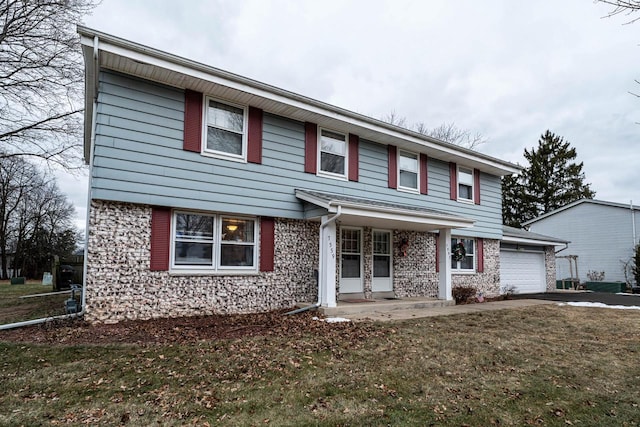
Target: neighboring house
214 193
527 261
602 235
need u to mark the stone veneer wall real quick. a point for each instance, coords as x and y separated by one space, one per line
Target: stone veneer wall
487 282
550 267
414 275
120 285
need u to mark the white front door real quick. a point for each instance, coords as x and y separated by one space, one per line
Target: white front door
351 260
382 274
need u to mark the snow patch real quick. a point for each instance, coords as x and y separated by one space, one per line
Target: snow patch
600 305
631 295
332 319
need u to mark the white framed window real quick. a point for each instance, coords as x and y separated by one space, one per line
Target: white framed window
225 130
465 184
213 242
332 155
467 263
408 171
351 253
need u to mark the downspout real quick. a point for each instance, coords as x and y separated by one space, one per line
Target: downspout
86 237
566 245
321 267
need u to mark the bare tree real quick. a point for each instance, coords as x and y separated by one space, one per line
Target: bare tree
629 8
447 132
41 74
395 119
31 207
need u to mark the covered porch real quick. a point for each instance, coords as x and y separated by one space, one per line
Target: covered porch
373 251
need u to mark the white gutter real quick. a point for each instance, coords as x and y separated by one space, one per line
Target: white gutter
86 234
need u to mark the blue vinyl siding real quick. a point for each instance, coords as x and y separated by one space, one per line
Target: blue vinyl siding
600 235
139 158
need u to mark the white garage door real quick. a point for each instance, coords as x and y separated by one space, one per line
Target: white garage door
522 270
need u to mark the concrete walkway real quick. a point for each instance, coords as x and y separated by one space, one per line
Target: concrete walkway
415 313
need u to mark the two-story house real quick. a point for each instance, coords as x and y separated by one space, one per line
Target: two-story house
214 193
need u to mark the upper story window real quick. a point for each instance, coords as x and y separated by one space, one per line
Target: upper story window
225 135
213 242
408 171
465 184
333 154
464 260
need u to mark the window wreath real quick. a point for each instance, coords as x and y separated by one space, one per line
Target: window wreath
459 252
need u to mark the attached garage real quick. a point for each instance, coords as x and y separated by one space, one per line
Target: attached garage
527 264
524 271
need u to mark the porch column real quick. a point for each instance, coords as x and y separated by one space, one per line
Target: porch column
444 275
327 270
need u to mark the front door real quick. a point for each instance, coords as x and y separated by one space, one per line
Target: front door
382 262
351 261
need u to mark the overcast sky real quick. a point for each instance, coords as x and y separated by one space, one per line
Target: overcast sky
507 69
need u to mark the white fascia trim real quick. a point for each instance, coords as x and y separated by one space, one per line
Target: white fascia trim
382 212
312 199
401 215
193 69
534 242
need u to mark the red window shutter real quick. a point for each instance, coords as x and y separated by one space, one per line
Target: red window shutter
354 157
393 166
267 240
192 121
476 186
160 238
437 253
254 137
424 179
310 147
453 181
480 254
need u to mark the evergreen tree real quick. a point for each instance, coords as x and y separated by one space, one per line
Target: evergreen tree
552 180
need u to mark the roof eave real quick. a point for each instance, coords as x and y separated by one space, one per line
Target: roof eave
509 239
384 212
190 72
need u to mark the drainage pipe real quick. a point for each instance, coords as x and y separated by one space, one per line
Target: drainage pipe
321 268
86 233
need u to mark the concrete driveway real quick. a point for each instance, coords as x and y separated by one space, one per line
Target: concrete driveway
581 296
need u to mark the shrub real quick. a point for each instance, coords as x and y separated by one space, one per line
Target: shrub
463 294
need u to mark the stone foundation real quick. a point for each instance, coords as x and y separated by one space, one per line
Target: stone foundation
121 286
487 282
414 274
550 267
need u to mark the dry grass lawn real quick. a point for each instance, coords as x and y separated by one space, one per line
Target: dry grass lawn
544 365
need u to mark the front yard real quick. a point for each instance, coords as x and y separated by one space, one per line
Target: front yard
29 301
545 365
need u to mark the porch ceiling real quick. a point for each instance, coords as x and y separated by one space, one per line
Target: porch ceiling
356 211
